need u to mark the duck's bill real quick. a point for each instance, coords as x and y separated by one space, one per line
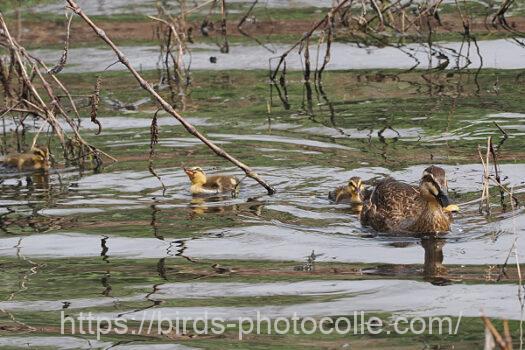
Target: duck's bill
443 199
451 208
187 170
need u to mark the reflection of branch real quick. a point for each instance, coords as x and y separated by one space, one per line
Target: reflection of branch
23 286
165 105
104 248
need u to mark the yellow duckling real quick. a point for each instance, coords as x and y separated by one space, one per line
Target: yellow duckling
36 159
351 193
202 184
396 207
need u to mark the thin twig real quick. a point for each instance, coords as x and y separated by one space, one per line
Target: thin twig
165 105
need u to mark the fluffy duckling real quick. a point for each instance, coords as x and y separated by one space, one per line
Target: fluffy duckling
351 193
36 159
202 184
396 207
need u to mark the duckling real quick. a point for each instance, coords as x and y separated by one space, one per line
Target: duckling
36 159
202 184
351 193
396 207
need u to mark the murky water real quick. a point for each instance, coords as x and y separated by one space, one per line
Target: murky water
501 54
147 7
112 243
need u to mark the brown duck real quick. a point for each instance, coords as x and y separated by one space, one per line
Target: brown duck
396 207
36 159
203 184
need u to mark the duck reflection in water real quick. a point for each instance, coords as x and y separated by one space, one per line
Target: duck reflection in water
433 269
217 205
203 205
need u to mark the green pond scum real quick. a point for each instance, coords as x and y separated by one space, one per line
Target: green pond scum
105 257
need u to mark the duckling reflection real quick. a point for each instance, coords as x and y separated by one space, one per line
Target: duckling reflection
212 205
199 206
39 180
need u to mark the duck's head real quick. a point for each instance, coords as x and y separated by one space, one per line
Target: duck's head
434 187
40 157
355 188
196 175
41 152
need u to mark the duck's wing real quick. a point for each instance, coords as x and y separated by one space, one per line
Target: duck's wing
393 195
221 183
392 206
367 193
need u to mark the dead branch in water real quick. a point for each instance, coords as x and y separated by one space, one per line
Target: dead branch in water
181 76
173 48
95 101
487 177
390 23
21 74
485 194
63 59
307 35
165 105
154 139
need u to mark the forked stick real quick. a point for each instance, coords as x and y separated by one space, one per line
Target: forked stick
165 105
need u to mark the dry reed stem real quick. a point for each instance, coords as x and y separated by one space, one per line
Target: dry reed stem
63 59
243 32
165 105
485 194
95 101
37 106
500 341
154 139
307 35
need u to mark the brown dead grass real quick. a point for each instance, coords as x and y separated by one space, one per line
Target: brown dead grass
52 33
